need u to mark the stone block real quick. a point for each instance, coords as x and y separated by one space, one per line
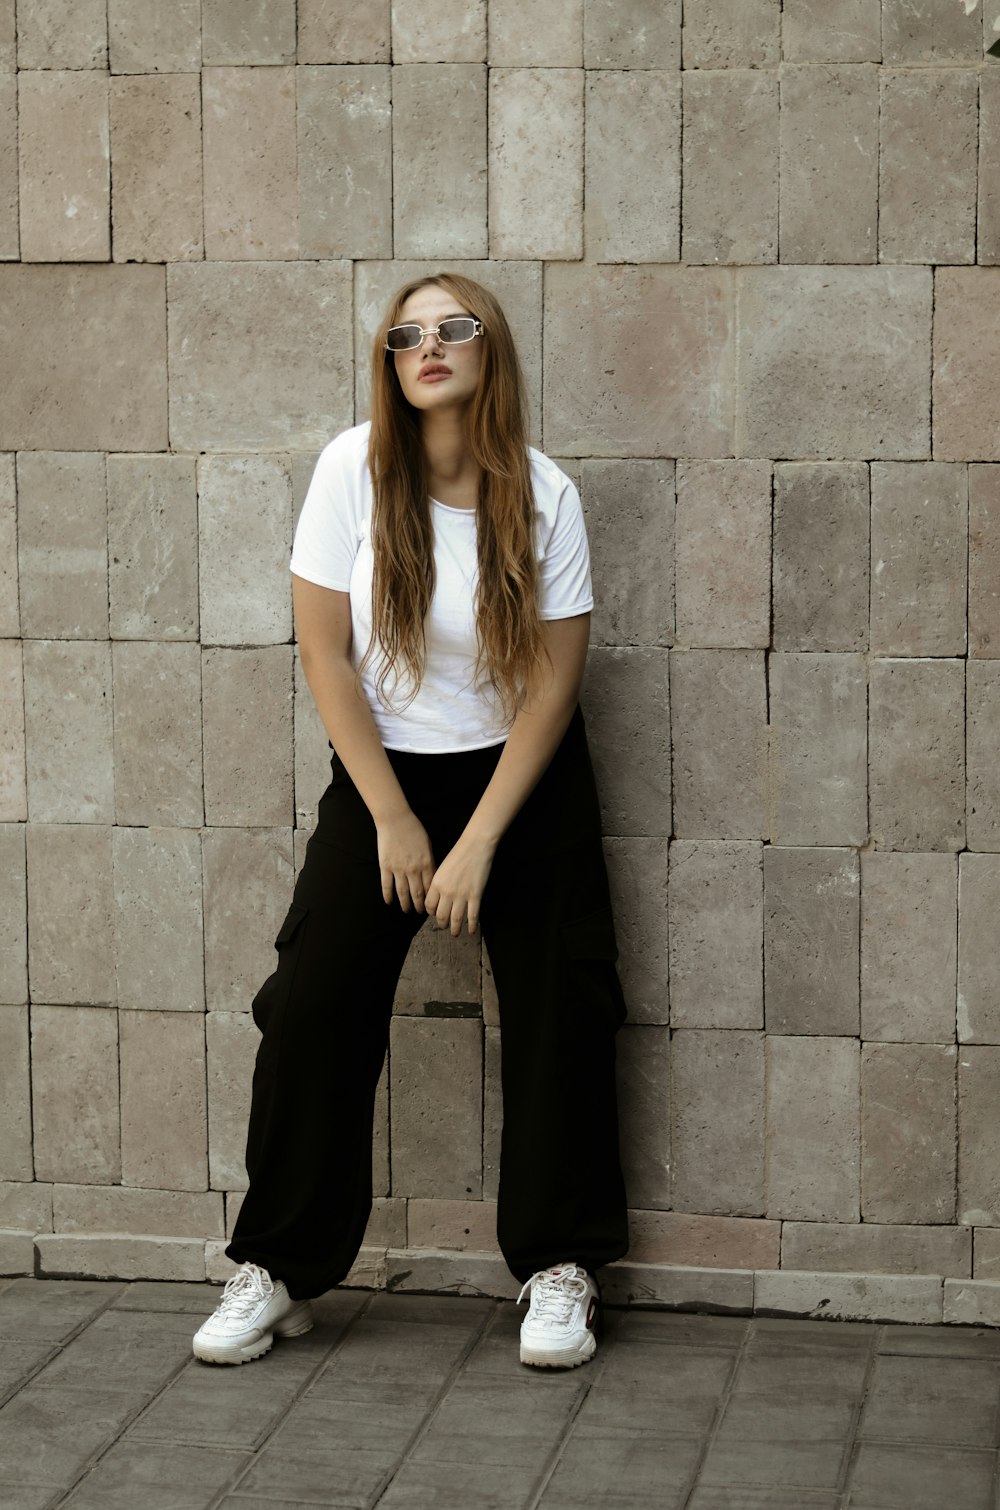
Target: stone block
522 36
244 531
912 1298
536 164
729 1291
720 35
62 545
919 31
15 1100
452 31
637 870
380 1134
344 125
820 570
70 957
61 325
232 1040
17 1253
813 1155
908 926
463 1225
730 167
441 976
13 917
984 561
867 1248
439 160
26 1206
672 330
9 207
248 886
8 36
222 317
719 736
629 506
436 1068
312 753
249 754
62 34
928 134
978 987
919 546
723 553
431 1270
153 547
978 1135
248 135
716 920
642 1058
155 1258
811 941
971 1303
248 31
145 36
831 31
633 118
966 363
74 1094
988 208
818 752
917 753
631 33
156 168
908 1132
164 1124
159 951
708 1242
67 706
10 618
115 1209
387 1223
717 1132
344 33
13 787
986 1251
628 690
64 155
829 163
492 1112
157 734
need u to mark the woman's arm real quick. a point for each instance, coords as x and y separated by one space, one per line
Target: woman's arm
323 629
457 888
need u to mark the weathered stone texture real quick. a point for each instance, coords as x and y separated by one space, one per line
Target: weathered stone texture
87 347
55 34
436 1068
861 334
642 1064
522 35
730 167
452 31
248 886
10 617
248 749
631 33
637 871
74 1094
672 333
966 363
723 553
717 1134
536 163
164 1128
146 36
971 1302
8 36
25 1206
928 133
988 207
67 718
820 567
986 1252
831 31
344 126
15 1096
248 31
244 527
978 987
64 155
13 775
917 753
716 918
344 33
913 1299
867 1248
982 796
70 955
922 31
231 1040
9 224
712 1242
251 200
119 1209
462 1225
221 317
812 1129
62 545
629 506
626 700
632 119
159 949
153 547
13 915
156 168
811 933
919 558
439 160
440 975
829 163
720 35
719 742
908 924
978 1136
984 561
312 753
818 749
908 1132
157 733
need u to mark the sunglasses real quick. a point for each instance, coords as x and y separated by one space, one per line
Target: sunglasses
450 333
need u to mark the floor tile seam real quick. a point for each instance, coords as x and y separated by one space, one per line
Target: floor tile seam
594 1373
56 1346
720 1411
850 1463
25 1379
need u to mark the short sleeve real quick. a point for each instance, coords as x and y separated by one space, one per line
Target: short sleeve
329 530
564 560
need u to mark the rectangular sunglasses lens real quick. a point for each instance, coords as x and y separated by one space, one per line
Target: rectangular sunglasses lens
403 337
461 328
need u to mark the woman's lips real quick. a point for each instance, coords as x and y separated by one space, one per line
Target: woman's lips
434 374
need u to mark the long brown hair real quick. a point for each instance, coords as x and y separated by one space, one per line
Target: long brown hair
507 623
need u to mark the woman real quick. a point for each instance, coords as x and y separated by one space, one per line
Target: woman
442 598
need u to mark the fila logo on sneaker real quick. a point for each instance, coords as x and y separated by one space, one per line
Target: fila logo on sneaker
591 1311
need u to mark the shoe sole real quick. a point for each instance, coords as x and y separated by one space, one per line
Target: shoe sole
556 1358
294 1325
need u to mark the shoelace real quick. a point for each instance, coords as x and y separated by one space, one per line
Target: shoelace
248 1286
553 1296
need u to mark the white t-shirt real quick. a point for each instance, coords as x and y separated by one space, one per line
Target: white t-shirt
332 548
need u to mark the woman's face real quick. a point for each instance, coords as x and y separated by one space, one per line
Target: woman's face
433 375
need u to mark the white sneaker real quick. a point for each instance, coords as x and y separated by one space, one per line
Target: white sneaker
253 1307
558 1331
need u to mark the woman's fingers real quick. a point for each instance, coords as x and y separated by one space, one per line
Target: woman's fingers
388 884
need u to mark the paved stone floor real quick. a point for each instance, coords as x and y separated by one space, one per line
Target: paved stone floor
420 1402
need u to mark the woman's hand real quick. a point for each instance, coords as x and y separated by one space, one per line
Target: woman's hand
405 858
456 890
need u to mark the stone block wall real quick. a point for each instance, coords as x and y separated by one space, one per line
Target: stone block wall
751 253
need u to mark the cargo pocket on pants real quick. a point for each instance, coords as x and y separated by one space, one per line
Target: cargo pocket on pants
275 989
592 947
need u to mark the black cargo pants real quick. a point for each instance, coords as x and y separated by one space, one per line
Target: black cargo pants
325 1012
